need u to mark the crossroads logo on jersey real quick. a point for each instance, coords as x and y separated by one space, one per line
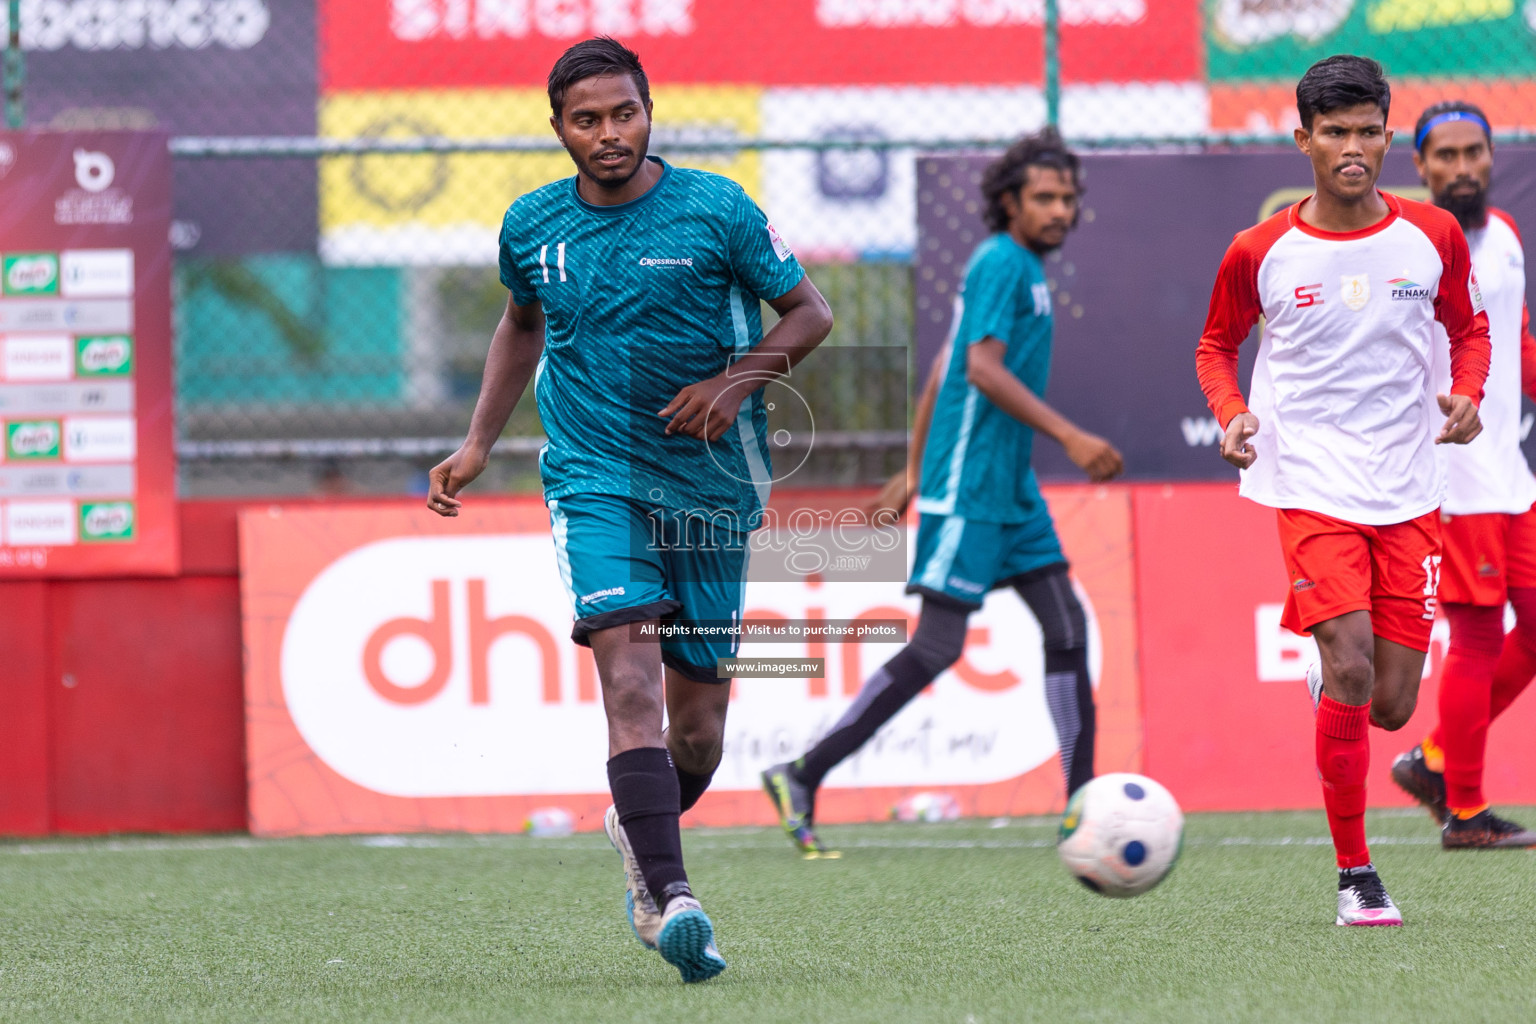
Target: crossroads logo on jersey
1355 290
1404 290
33 439
1308 295
104 356
30 273
780 247
651 261
106 521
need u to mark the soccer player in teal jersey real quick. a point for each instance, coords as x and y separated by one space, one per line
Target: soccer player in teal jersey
984 524
634 305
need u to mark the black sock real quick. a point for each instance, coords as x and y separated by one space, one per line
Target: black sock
935 645
690 787
1068 690
1069 695
644 786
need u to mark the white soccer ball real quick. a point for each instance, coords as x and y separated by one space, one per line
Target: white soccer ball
1121 834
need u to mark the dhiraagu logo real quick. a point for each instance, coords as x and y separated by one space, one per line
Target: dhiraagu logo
30 273
32 439
106 521
104 356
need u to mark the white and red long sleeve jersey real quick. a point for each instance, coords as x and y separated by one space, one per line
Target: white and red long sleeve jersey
1344 384
1490 474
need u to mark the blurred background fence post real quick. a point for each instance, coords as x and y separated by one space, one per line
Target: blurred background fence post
14 68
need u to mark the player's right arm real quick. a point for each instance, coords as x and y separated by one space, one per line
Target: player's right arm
1235 308
509 365
984 367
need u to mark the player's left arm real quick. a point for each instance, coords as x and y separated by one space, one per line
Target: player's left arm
763 264
1459 307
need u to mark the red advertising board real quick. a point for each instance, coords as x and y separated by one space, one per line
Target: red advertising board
406 672
87 467
1229 723
396 44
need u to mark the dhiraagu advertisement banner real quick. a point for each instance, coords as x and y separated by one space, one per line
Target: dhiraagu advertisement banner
1269 39
447 208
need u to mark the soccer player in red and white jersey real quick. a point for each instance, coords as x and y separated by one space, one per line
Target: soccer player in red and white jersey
1487 523
1340 428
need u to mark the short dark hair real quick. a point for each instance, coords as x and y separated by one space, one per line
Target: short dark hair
1343 80
1448 107
1008 173
594 58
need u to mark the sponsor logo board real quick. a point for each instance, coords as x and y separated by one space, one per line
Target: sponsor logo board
100 439
32 439
39 522
447 208
32 273
106 355
35 357
96 273
106 521
399 653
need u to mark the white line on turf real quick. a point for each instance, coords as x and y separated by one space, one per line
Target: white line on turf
598 842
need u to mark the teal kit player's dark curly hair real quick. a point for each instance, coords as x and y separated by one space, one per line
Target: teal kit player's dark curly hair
1007 174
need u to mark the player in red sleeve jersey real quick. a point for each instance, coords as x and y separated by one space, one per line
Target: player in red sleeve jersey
1487 523
1339 431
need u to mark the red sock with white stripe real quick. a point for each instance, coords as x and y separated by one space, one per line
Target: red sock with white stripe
1343 756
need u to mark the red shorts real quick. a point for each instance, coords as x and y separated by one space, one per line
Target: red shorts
1485 555
1337 566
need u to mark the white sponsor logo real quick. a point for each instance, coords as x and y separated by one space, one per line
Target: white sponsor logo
141 24
1245 23
649 261
1283 657
1201 432
93 171
985 13
598 595
414 20
100 439
96 273
40 522
407 662
38 358
1355 290
7 158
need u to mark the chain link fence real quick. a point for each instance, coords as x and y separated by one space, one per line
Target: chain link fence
343 165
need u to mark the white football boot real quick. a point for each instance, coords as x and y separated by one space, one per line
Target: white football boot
1363 900
644 916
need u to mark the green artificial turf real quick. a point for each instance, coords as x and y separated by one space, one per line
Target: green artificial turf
972 921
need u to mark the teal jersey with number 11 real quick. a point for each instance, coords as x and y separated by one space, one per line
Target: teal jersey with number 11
641 300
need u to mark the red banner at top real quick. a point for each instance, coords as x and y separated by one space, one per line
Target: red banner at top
368 44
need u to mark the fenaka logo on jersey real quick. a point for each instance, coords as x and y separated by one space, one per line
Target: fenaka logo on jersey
1404 290
1308 295
1355 290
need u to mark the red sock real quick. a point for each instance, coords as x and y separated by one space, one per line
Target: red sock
1466 692
1517 660
1343 755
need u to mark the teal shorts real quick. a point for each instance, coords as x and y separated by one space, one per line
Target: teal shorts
623 561
959 560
